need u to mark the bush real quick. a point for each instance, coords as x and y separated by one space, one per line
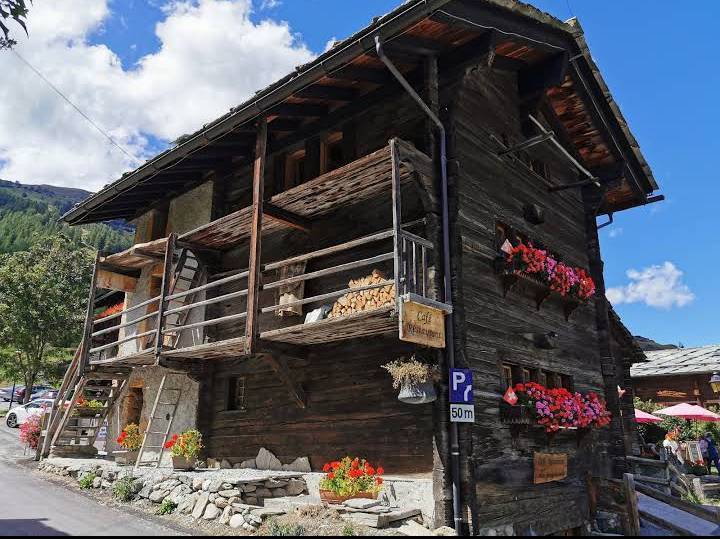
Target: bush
166 507
348 530
123 489
86 481
276 529
30 431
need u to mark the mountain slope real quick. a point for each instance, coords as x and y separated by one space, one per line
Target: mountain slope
28 211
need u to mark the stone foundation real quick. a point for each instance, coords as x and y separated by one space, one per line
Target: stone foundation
232 497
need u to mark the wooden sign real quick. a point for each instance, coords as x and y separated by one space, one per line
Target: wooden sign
422 324
550 467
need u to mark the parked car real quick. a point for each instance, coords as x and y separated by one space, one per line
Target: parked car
19 414
7 391
47 394
34 394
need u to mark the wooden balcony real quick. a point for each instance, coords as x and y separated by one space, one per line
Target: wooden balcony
183 321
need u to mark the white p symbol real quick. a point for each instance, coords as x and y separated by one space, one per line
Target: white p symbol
458 378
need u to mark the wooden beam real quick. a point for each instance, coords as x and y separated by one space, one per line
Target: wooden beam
116 281
86 342
332 93
537 78
415 45
284 125
299 110
291 219
252 329
362 74
280 367
518 29
470 53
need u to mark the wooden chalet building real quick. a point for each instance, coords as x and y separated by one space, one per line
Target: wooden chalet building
413 150
678 375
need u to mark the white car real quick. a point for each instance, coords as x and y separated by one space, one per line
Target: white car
19 414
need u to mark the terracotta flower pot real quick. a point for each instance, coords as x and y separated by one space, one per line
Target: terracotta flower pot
328 496
183 463
414 393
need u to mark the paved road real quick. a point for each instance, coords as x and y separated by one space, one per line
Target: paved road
30 505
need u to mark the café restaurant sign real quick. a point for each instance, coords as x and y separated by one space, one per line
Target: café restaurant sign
422 324
550 467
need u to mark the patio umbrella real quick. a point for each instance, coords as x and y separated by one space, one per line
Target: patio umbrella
644 417
690 411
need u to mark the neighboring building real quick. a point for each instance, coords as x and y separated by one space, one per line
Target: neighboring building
249 225
678 375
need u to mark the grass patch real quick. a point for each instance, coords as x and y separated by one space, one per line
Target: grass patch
123 489
281 529
86 481
167 507
348 530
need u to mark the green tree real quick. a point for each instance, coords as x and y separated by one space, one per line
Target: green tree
15 10
43 296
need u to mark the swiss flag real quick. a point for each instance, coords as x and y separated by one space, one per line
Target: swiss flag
510 397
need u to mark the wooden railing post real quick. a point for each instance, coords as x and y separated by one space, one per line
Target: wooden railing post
164 292
86 343
252 331
632 504
397 217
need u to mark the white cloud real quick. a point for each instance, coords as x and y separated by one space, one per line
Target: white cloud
211 57
661 287
615 232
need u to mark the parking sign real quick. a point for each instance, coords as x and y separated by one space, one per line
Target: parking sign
461 390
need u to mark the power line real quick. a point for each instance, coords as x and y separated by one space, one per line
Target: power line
73 105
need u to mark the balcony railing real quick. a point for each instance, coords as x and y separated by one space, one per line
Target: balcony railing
400 254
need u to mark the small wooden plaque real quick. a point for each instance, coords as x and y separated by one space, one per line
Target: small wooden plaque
550 467
422 325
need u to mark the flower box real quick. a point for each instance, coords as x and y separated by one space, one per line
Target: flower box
86 411
330 497
516 415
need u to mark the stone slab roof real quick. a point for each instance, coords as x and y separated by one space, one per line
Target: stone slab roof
679 361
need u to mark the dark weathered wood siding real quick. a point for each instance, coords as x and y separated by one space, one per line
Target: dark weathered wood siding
352 409
490 328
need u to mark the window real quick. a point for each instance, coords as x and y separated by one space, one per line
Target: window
235 395
507 376
331 152
295 169
539 167
516 374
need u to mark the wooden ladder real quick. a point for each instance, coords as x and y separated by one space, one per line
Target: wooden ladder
167 398
189 275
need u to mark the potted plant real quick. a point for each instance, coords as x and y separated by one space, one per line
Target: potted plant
185 449
130 440
349 479
414 379
87 408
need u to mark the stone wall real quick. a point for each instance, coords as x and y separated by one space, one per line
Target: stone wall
232 497
149 379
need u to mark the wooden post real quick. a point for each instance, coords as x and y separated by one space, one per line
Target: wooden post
56 410
86 342
397 217
164 292
252 331
632 504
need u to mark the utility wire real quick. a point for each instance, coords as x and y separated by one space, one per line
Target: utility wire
73 105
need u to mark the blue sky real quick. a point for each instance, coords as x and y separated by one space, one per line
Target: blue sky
658 58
